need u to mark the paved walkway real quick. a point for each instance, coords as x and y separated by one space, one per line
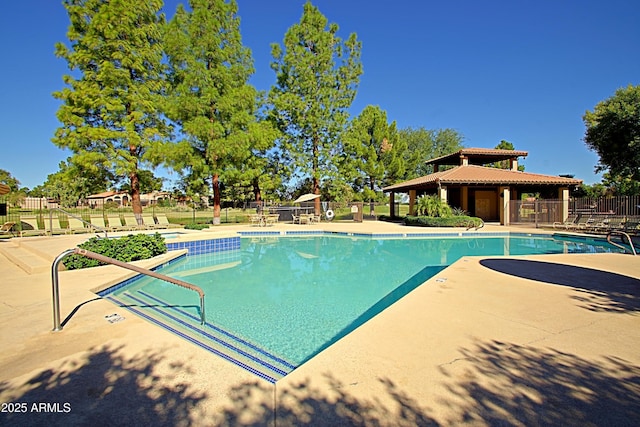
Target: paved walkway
536 340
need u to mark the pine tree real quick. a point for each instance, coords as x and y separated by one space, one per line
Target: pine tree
111 117
317 76
210 97
373 152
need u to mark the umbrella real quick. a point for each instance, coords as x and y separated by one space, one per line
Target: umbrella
306 197
4 189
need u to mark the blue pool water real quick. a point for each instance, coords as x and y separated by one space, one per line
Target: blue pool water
295 296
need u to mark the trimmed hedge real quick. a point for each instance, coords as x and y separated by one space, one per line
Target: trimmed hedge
452 221
129 248
196 226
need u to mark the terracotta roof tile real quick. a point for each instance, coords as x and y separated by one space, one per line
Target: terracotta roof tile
473 174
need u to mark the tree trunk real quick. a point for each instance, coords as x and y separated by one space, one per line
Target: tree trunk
316 181
371 187
256 191
316 190
216 199
136 204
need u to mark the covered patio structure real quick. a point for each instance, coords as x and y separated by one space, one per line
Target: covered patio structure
463 180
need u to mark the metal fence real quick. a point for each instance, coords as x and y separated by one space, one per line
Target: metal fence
542 212
40 210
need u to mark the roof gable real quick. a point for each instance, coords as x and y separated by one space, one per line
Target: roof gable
479 156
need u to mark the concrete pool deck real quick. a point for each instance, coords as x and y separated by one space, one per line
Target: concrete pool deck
535 340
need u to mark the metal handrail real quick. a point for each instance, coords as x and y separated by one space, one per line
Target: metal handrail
622 233
103 230
57 326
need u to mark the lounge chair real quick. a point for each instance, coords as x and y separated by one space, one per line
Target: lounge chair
610 224
7 228
632 226
115 223
162 220
570 221
131 222
98 223
76 226
52 226
582 223
29 226
149 223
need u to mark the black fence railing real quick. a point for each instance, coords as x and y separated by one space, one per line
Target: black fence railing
542 212
35 213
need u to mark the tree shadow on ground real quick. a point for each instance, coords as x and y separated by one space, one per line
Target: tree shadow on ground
492 383
602 291
506 384
107 389
324 403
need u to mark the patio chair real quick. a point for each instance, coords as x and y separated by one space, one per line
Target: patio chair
115 223
149 222
571 219
613 223
52 226
272 219
305 219
632 226
29 226
582 223
255 219
98 223
7 228
76 226
131 222
163 220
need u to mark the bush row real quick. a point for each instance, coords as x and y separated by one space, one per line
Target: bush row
128 248
451 221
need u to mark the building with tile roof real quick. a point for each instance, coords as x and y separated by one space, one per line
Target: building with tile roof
462 180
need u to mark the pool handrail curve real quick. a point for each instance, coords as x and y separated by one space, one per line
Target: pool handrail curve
57 326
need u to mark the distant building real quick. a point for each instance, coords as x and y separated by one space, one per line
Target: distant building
124 199
99 200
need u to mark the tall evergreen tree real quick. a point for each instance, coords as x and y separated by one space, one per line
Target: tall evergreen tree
317 76
373 151
110 114
210 97
425 144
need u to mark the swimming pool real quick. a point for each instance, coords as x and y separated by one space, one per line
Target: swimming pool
278 301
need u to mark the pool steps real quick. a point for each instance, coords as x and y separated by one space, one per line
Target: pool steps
210 337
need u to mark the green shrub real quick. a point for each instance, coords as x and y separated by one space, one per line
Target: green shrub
433 205
196 226
452 221
129 248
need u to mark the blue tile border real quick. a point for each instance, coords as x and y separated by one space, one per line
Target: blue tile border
196 342
223 343
196 247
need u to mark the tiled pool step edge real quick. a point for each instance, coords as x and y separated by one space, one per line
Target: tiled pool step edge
211 338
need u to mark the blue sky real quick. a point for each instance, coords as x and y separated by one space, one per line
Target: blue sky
520 70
